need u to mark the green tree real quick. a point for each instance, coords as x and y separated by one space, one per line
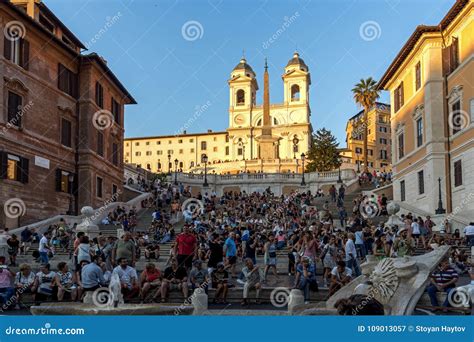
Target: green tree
323 154
365 95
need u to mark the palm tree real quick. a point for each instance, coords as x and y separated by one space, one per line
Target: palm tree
365 95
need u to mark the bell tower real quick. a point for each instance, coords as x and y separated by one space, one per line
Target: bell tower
242 94
296 80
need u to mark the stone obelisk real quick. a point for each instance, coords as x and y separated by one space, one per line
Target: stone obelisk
266 142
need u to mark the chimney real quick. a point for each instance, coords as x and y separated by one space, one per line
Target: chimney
209 131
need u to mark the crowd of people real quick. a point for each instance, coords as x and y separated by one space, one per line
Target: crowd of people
240 240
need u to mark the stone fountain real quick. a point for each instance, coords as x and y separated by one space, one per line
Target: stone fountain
109 301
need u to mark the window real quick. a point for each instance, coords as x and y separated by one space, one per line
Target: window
456 117
170 142
370 152
46 23
358 150
240 97
181 165
421 182
138 154
62 181
401 147
418 76
114 193
192 150
240 151
181 151
402 190
115 154
159 153
14 110
67 81
137 144
66 132
203 145
191 164
383 141
191 140
13 167
158 142
214 149
99 95
295 92
148 166
383 129
170 152
17 51
227 150
214 139
99 187
227 136
383 154
100 144
398 97
180 141
148 153
116 111
147 143
419 132
458 173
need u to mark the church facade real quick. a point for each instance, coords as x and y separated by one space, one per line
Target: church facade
270 137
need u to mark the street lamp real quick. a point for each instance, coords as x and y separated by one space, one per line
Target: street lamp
169 164
176 172
440 209
70 179
295 146
339 179
205 160
303 156
358 163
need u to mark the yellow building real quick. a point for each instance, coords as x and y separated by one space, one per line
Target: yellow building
268 137
431 84
378 142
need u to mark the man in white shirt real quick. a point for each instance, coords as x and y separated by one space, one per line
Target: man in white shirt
351 255
44 249
128 278
469 233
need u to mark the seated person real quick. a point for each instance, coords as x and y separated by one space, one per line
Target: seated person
220 277
24 281
66 282
150 279
199 276
253 279
340 276
44 284
175 278
442 280
152 251
128 278
90 276
6 277
305 277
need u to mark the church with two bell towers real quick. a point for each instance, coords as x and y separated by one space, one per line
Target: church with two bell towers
267 137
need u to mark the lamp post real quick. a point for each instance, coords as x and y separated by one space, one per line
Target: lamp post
169 164
303 156
440 209
205 160
358 164
176 172
70 179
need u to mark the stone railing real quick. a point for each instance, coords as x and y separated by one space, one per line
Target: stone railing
98 215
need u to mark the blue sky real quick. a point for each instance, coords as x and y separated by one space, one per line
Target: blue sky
171 76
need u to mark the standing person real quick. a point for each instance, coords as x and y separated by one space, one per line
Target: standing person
305 277
124 248
186 248
351 255
359 243
332 193
252 280
328 256
342 192
469 233
342 216
26 239
250 248
13 248
270 256
416 231
230 249
83 251
44 248
442 280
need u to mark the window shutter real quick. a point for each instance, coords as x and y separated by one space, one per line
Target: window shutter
58 179
23 172
3 165
446 55
73 84
75 185
61 77
402 97
7 48
24 54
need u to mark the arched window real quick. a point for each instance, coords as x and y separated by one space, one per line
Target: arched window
295 92
259 122
240 97
180 165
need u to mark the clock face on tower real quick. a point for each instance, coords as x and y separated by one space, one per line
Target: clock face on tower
239 120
